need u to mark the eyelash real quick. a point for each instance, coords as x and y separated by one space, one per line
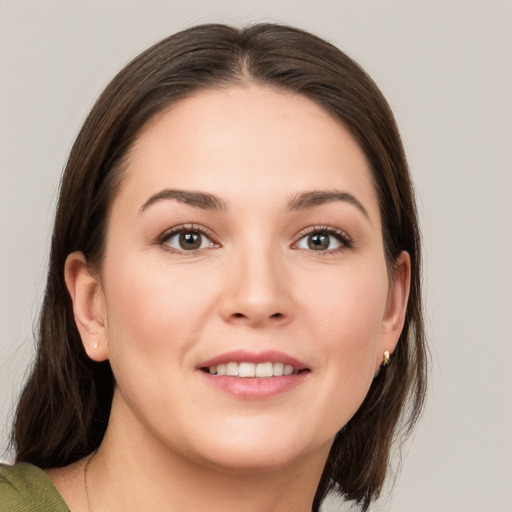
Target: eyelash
183 229
341 236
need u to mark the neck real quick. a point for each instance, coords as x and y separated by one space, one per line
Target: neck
132 473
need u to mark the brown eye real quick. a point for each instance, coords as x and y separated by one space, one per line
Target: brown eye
190 241
319 241
187 240
323 240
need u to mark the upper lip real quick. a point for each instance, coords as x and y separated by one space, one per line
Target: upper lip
245 356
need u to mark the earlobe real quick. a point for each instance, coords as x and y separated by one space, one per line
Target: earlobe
396 305
88 305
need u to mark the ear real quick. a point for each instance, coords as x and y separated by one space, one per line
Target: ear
396 307
88 305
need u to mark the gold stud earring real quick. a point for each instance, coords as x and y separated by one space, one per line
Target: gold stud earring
385 362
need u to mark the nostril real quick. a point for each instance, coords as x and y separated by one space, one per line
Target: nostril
256 318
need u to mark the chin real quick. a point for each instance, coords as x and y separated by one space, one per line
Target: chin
243 454
251 462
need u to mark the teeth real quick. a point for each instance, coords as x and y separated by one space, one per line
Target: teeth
246 370
232 369
278 369
265 370
261 370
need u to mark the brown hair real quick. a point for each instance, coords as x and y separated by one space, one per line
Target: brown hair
63 411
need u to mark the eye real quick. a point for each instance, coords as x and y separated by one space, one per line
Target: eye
187 239
324 239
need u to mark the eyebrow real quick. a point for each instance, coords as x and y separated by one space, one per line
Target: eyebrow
314 198
196 199
301 201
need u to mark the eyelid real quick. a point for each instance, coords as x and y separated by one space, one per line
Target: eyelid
345 239
180 228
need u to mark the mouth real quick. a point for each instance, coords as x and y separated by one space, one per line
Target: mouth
246 369
254 381
248 375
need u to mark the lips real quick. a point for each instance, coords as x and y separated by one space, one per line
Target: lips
242 363
254 375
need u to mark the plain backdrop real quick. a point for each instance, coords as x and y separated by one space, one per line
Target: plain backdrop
445 67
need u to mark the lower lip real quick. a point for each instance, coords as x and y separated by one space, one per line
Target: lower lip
253 387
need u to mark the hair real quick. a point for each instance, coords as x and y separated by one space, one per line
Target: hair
64 408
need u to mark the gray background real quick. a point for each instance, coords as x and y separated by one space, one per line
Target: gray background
446 68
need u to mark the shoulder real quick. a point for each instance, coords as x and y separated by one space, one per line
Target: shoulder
24 488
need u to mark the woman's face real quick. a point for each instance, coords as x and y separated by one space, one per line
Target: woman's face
245 239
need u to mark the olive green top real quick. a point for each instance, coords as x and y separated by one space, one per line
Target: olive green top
26 488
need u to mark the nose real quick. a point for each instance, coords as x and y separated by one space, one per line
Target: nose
257 290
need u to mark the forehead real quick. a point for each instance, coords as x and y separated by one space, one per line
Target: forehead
247 139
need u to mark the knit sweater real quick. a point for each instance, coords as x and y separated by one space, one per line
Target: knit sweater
26 488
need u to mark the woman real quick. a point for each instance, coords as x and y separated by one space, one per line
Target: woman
232 318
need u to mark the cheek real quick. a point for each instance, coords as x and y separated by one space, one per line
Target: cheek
154 319
347 318
348 306
153 313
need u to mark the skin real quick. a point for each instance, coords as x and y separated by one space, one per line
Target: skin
156 310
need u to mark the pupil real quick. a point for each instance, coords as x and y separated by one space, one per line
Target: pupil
318 241
190 241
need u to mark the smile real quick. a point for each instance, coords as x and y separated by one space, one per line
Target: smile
249 375
247 369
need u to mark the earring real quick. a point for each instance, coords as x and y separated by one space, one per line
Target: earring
95 345
385 362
